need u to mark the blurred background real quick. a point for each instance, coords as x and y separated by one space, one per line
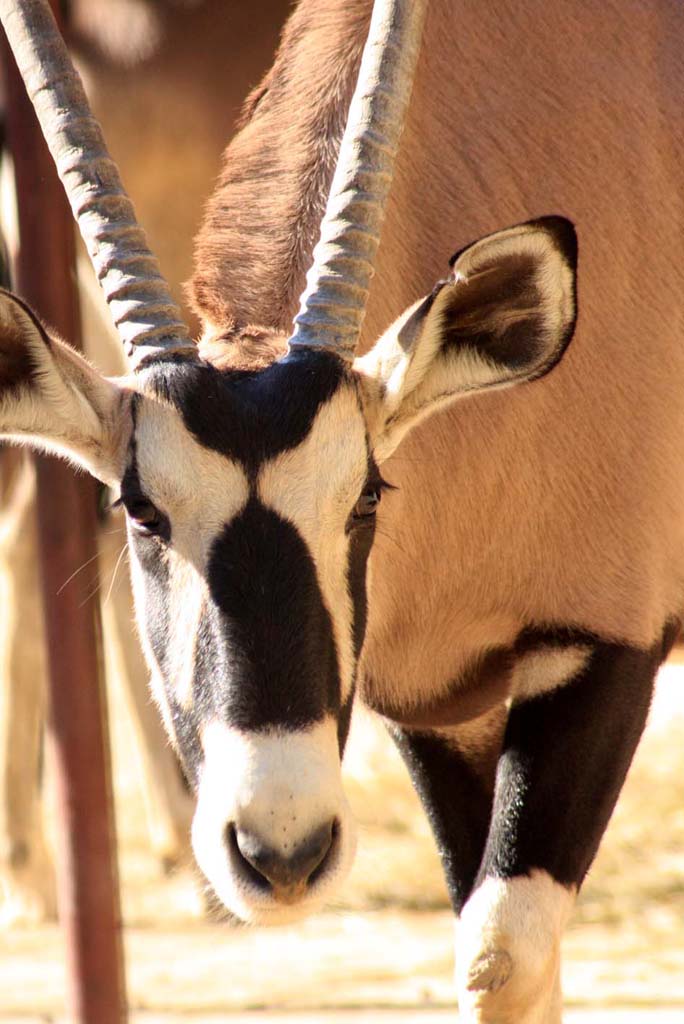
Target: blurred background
167 81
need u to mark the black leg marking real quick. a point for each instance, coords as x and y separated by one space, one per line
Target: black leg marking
565 757
457 796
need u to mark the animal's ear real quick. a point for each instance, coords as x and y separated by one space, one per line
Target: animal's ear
505 315
52 399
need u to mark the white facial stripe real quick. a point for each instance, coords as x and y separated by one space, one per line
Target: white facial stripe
187 599
199 489
508 949
280 786
156 675
315 486
546 669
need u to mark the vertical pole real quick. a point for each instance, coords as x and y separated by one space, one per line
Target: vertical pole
86 869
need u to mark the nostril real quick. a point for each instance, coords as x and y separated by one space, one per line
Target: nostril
243 862
326 854
286 874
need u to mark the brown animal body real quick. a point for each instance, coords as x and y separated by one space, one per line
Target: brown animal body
553 504
556 504
507 605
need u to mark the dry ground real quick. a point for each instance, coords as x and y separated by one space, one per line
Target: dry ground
384 954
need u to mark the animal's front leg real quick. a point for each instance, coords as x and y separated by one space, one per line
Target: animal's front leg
567 748
453 770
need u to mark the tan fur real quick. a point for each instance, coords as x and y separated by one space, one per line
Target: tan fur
252 348
561 501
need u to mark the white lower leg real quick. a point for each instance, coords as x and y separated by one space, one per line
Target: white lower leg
508 950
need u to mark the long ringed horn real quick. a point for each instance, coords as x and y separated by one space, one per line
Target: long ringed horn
334 301
147 319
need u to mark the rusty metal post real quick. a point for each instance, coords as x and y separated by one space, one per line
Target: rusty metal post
87 876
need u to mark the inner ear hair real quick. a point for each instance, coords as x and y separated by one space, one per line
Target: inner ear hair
491 311
18 363
512 296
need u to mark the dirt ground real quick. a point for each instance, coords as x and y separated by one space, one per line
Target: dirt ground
385 953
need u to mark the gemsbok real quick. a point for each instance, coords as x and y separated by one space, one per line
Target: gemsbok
480 533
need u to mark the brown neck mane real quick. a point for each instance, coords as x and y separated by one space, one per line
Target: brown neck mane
254 247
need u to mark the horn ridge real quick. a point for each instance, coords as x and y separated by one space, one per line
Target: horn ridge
145 314
334 300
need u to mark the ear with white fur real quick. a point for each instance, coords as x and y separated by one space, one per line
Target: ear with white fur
52 399
505 316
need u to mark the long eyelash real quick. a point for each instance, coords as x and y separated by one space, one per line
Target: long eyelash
114 505
375 478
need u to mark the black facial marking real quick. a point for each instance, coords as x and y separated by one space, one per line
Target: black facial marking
344 722
273 626
361 532
251 416
130 482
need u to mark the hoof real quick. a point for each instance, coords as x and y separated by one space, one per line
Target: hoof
490 971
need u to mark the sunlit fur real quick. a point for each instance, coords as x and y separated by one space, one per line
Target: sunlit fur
557 502
525 136
251 593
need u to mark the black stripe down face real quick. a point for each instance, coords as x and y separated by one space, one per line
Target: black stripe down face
251 508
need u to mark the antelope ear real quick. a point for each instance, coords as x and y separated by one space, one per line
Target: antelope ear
505 315
52 399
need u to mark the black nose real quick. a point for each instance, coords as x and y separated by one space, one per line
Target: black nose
287 876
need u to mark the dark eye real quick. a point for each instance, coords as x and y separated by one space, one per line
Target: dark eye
367 504
146 517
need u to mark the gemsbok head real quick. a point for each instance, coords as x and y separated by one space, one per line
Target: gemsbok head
251 491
